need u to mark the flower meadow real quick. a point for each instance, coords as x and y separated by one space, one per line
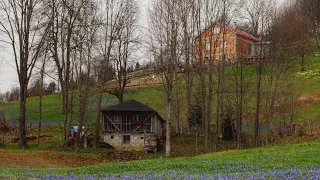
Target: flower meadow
282 174
301 161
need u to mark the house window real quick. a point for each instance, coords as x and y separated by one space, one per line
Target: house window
216 30
223 44
207 46
111 137
117 119
131 122
126 139
118 123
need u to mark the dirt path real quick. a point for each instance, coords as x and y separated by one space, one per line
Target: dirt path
39 159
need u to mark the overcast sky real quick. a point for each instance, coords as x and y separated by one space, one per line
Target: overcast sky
8 74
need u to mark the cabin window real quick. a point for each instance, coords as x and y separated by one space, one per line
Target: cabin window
117 119
126 139
111 137
223 44
131 122
207 46
216 30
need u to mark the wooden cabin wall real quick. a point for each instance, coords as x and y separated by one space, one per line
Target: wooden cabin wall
157 126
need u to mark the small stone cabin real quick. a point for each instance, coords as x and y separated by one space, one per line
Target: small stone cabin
132 125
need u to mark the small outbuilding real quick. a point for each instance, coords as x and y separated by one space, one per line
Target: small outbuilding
131 125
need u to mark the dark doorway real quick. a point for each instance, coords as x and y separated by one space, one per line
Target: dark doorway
126 139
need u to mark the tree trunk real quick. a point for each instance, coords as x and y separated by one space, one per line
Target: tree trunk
302 63
40 116
291 113
22 117
208 118
203 99
318 43
189 92
3 137
239 101
66 109
71 104
121 92
197 133
210 95
168 126
258 100
85 110
177 107
85 140
188 75
40 99
97 124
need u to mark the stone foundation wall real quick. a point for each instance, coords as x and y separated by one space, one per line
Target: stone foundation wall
137 141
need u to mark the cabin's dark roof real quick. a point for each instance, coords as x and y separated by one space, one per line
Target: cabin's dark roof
130 105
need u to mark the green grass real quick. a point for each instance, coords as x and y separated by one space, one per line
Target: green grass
279 158
52 105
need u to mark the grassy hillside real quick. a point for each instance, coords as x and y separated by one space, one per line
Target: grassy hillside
52 105
299 161
306 85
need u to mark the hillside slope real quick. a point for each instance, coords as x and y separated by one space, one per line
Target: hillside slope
306 84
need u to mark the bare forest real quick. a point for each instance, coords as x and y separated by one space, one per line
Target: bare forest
89 49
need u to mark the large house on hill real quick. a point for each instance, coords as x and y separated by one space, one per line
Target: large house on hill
237 45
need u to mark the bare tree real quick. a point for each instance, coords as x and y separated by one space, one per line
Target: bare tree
42 71
126 41
2 98
241 84
225 14
111 16
253 13
25 27
4 126
87 37
310 10
302 31
285 45
164 46
185 15
207 43
64 16
259 14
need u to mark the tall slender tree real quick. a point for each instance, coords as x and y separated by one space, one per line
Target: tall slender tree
125 45
25 28
87 40
164 46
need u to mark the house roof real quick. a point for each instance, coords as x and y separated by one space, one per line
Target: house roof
246 34
130 105
238 32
